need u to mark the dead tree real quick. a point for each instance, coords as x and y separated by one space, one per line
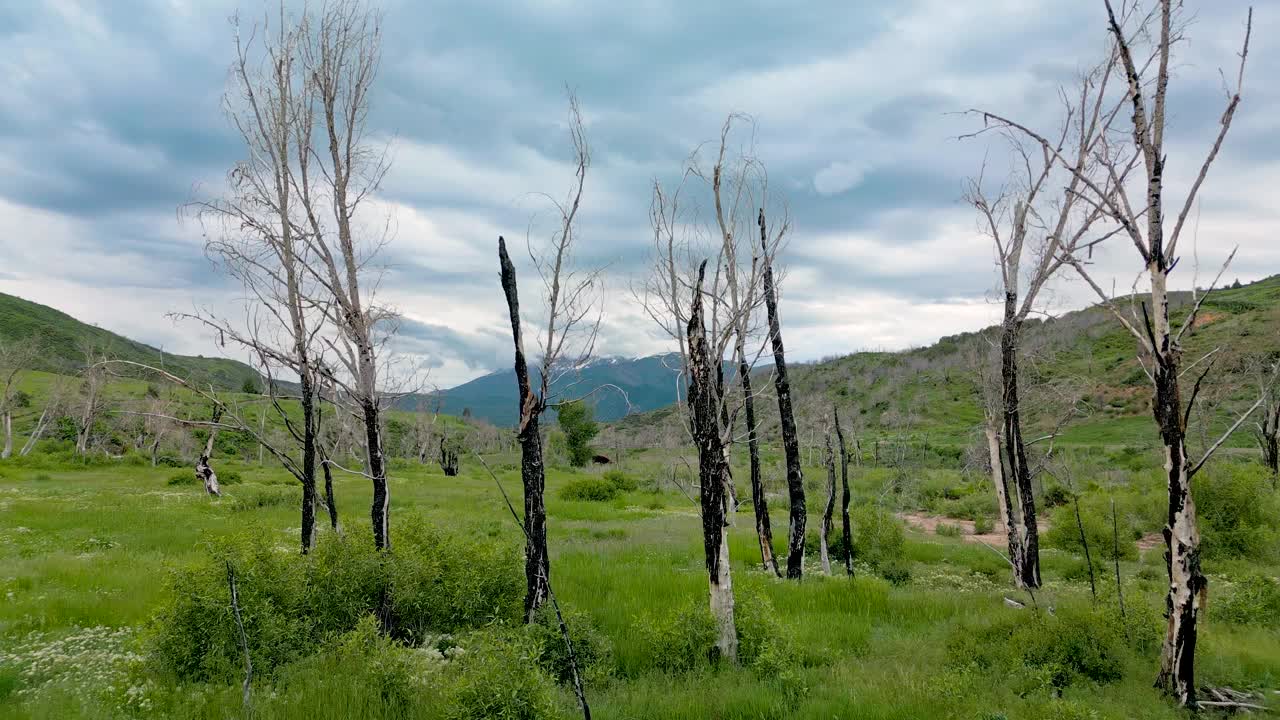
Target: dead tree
253 234
91 388
332 176
1035 230
572 321
790 440
713 472
735 182
53 406
204 471
448 458
1158 338
829 460
846 537
14 358
1267 432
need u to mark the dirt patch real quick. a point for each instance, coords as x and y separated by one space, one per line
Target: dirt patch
928 524
1150 541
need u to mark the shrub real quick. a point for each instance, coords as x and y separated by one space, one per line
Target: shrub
591 649
257 498
897 572
948 530
878 539
577 420
983 525
679 640
1064 534
589 489
1254 600
498 677
620 480
433 583
1042 651
1056 495
1236 507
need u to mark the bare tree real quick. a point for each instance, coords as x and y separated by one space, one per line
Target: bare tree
15 357
846 536
1142 50
713 471
1034 230
829 459
204 471
786 416
254 234
91 386
565 346
332 177
53 407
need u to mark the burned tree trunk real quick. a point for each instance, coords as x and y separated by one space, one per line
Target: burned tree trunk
1024 537
330 502
537 563
8 435
790 440
204 471
1268 435
448 459
307 474
764 532
713 473
846 539
827 511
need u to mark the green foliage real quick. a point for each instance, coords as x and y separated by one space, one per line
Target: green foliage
677 640
591 649
620 480
878 539
1039 651
590 489
577 420
1055 495
498 677
948 530
230 477
1237 509
433 583
1253 600
1095 516
983 525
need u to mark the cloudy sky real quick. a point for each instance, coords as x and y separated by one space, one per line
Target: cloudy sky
110 119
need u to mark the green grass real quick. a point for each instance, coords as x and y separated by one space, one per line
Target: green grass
91 547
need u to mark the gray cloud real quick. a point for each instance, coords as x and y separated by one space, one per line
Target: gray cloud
110 118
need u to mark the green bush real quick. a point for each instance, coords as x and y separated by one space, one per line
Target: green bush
1253 600
1040 651
678 640
498 677
1055 495
763 642
271 496
577 420
878 539
621 480
1237 508
433 583
1064 534
591 650
983 525
948 530
590 489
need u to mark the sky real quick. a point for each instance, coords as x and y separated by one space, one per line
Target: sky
110 119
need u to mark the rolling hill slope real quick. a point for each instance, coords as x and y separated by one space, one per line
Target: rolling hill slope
62 341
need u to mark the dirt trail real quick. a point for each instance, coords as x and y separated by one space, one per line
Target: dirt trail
928 524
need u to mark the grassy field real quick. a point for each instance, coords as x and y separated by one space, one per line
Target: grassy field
89 554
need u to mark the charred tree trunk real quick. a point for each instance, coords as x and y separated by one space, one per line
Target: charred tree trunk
8 435
1187 584
829 510
713 473
764 532
310 424
790 441
330 501
204 471
537 562
448 459
380 511
1268 434
1025 553
846 537
1003 503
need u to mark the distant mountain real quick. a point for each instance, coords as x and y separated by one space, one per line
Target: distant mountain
62 340
648 383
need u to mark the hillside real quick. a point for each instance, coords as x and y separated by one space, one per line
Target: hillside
648 383
62 341
932 393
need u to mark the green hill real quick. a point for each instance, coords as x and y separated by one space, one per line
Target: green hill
63 340
932 394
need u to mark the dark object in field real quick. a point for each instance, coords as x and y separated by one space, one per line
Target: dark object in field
600 459
204 471
448 459
790 439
